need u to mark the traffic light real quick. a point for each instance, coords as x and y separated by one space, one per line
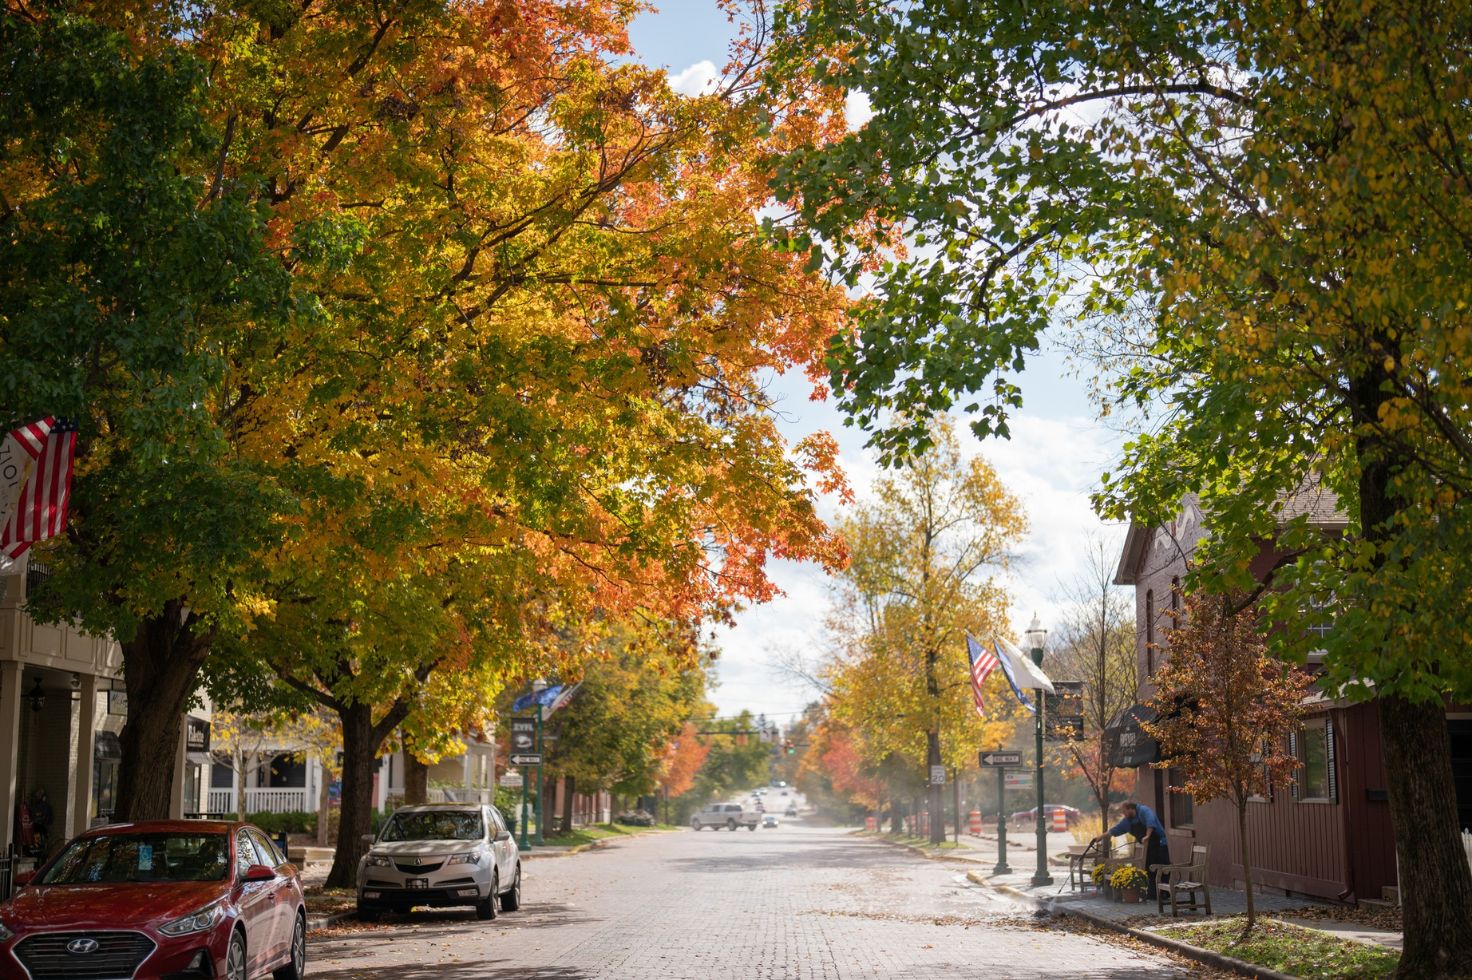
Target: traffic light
787 744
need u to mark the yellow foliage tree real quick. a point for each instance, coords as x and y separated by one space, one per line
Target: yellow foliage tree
921 576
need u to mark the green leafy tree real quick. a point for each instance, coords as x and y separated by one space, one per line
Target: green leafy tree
130 281
634 700
1257 214
738 760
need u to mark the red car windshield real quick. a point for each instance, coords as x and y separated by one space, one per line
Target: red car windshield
117 858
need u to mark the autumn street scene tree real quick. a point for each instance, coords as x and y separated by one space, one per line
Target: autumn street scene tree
442 436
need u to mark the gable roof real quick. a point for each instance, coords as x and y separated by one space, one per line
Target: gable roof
1311 498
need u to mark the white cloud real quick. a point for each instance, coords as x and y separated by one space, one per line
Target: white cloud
857 109
1051 463
698 79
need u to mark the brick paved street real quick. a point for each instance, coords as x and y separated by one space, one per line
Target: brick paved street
794 902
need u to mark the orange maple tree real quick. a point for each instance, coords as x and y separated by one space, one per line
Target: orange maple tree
1226 710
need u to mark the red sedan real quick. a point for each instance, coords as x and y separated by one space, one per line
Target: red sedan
179 898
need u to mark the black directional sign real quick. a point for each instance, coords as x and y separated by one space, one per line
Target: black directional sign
527 759
1005 757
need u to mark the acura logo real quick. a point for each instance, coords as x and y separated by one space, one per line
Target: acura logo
82 946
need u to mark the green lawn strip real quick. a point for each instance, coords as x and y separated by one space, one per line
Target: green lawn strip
1290 949
601 831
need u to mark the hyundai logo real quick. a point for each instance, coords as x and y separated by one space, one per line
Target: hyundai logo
82 946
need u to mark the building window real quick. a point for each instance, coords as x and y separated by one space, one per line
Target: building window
1182 807
1315 751
1319 616
1149 632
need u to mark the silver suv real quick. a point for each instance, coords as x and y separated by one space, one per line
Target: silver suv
441 854
728 815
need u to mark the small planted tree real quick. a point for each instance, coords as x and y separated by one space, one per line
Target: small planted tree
1226 710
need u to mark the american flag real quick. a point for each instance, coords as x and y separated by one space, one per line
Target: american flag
983 662
37 470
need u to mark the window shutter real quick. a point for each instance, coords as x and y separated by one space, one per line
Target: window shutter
1329 745
1293 751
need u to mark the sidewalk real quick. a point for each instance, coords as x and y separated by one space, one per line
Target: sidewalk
1140 920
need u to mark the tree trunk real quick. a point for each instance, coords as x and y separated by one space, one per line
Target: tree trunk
896 815
569 787
359 748
1246 854
416 778
324 804
161 665
1435 886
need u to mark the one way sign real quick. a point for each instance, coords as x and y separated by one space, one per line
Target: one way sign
992 760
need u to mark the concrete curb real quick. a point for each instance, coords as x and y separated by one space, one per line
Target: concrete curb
1218 960
315 922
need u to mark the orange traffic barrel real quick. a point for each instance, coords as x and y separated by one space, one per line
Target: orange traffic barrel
870 823
1060 820
975 821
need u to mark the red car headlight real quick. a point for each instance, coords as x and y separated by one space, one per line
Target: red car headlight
198 921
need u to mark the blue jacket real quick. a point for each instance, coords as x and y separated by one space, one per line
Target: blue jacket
1143 815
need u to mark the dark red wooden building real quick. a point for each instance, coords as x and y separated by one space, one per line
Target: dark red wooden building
1327 834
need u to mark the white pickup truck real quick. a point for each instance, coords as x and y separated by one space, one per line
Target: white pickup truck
728 815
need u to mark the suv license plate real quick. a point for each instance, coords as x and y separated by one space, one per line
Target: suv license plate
418 883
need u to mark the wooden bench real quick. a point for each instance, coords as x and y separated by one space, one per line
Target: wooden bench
1188 880
1081 862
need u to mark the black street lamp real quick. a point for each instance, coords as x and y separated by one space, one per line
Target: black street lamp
1035 637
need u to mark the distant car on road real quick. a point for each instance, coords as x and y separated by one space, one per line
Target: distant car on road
441 854
791 810
728 815
770 820
1023 819
170 898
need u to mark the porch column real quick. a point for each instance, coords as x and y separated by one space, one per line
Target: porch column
81 801
469 756
10 701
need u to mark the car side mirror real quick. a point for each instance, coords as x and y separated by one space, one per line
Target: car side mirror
24 878
367 838
258 872
503 835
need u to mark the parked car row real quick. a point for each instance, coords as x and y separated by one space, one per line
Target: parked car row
163 898
203 898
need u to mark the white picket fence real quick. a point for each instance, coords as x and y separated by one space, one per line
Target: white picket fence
260 800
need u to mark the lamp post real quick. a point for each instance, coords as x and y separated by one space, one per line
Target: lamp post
1035 637
538 686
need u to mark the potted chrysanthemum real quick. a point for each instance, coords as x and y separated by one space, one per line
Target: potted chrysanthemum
1100 874
1129 881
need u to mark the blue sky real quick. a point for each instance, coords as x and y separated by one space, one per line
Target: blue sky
1051 463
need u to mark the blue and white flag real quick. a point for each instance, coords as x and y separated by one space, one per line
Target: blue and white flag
1010 671
1027 672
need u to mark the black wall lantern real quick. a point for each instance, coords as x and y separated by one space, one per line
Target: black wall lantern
37 696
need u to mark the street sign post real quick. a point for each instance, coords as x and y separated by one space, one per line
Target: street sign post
523 734
1064 713
937 775
527 759
511 779
1018 780
1001 757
